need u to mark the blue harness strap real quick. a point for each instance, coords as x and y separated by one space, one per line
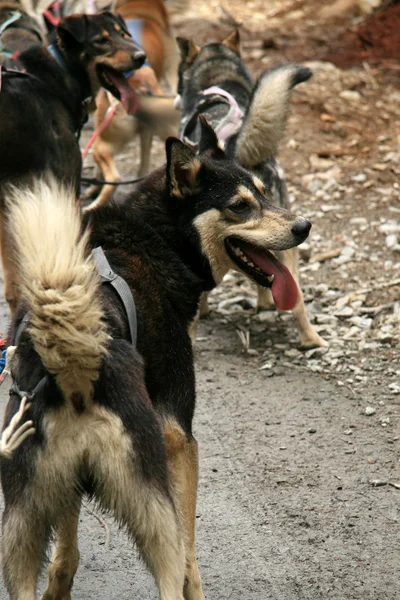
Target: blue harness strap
55 52
16 15
135 28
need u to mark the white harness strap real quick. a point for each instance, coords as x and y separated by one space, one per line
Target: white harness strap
231 124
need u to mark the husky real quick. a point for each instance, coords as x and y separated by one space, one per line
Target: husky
110 416
250 120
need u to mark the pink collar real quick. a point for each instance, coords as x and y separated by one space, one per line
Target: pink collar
231 124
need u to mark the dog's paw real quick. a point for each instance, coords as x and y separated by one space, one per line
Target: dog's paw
313 341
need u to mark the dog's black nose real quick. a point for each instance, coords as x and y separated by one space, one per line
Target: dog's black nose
301 229
139 57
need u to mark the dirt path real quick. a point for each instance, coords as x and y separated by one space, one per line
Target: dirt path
289 506
287 510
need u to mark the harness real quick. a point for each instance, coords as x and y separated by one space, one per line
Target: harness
107 275
135 28
228 126
55 52
14 18
5 71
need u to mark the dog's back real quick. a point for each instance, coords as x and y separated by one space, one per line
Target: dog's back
18 32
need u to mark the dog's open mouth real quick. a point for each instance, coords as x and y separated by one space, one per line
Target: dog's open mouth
116 83
266 270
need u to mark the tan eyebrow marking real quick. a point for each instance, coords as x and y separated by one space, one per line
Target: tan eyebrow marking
245 194
117 28
259 184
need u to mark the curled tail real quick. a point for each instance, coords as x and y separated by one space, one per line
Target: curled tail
267 114
59 284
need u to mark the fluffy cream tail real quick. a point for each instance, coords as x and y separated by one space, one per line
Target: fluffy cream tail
266 118
59 284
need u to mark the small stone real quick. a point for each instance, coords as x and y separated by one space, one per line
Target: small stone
305 251
350 96
391 240
311 430
378 483
394 388
370 411
359 178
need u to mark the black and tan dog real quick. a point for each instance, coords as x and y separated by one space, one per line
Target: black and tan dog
148 22
112 420
44 104
250 118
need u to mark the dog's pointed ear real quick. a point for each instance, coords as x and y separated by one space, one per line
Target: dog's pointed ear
188 49
183 167
121 22
233 41
72 30
209 143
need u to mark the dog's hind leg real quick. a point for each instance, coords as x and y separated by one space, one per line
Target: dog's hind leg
103 154
65 559
133 485
24 543
264 299
182 460
94 190
146 140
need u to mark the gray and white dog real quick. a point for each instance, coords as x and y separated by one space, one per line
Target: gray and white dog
249 119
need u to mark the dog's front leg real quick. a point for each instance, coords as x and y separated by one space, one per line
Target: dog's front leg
65 559
182 460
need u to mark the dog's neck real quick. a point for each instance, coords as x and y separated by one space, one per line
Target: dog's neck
73 71
146 226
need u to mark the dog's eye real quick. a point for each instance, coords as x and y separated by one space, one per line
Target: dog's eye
239 206
102 41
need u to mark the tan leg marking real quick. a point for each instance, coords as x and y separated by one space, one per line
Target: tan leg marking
23 550
65 560
182 458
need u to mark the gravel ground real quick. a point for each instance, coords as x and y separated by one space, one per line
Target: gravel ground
299 452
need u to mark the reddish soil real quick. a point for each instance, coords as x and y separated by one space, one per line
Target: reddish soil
377 39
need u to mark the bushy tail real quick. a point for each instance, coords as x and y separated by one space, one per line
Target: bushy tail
59 283
266 117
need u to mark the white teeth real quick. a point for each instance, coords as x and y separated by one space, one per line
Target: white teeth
270 278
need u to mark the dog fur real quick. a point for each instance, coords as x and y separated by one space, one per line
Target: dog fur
161 120
19 35
117 424
265 106
47 107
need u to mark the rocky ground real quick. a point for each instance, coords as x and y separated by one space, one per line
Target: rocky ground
300 473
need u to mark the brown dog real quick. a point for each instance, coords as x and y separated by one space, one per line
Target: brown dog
147 21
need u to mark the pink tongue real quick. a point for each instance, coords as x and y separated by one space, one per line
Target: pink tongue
128 97
284 288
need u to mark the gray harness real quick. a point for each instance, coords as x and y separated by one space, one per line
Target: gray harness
123 290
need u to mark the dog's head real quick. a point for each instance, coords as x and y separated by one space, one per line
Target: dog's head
203 66
230 216
103 47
